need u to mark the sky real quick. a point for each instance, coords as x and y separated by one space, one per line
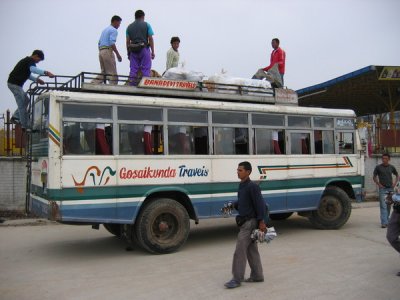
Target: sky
323 39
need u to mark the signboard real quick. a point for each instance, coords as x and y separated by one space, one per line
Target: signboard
285 96
161 83
390 73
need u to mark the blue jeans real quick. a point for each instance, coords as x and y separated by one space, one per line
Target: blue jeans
385 208
22 102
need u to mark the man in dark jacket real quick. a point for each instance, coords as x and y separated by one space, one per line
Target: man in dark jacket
18 76
251 207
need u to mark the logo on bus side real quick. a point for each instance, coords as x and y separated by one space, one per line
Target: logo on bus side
96 175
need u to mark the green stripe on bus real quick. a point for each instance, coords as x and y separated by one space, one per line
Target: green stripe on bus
191 189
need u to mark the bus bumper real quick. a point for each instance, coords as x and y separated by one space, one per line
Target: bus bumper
45 208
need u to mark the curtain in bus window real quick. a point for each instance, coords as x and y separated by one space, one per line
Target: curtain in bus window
148 149
102 145
300 143
267 141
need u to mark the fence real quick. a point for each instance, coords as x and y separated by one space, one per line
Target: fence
12 138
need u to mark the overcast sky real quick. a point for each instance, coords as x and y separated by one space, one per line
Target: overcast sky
322 39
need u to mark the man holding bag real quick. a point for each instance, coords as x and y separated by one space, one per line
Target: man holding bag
251 207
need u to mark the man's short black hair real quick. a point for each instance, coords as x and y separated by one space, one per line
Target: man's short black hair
38 53
116 18
175 39
276 40
139 13
246 165
386 154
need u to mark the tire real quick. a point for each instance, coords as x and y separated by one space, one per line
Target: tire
334 209
281 216
162 226
114 229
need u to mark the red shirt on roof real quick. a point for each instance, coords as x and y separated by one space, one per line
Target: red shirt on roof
277 56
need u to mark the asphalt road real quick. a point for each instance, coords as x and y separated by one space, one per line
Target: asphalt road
52 261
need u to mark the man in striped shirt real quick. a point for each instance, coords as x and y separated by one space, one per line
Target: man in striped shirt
173 54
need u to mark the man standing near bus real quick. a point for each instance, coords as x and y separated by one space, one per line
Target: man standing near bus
278 56
107 48
251 207
140 46
382 176
16 80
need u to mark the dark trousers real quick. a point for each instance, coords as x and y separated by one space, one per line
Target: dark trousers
393 230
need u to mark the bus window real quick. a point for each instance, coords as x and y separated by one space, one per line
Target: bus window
229 140
345 142
140 139
323 142
300 143
180 140
87 138
187 139
268 141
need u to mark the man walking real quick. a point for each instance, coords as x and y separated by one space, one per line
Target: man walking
382 176
140 45
278 56
18 76
107 48
251 207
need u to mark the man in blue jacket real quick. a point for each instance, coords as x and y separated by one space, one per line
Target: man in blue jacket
251 207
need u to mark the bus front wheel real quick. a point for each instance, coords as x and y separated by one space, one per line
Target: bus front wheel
333 211
162 226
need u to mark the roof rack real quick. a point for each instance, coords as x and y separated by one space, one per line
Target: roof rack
150 86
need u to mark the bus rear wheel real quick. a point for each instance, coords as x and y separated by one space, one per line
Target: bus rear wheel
114 229
334 209
162 226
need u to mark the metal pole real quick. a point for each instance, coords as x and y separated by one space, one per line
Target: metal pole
8 137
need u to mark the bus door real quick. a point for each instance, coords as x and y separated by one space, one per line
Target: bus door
300 175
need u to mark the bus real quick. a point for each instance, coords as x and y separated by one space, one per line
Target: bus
145 161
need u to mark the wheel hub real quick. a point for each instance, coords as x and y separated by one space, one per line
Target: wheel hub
163 226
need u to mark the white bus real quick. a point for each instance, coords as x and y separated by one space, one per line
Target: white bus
146 161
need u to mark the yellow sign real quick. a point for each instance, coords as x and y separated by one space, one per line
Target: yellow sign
390 73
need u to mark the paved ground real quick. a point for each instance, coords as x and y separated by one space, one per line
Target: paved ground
52 261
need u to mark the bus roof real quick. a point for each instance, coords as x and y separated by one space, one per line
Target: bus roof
190 103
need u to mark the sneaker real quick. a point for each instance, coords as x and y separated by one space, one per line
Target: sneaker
232 284
383 226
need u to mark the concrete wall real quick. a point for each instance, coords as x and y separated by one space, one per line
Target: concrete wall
12 183
13 180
